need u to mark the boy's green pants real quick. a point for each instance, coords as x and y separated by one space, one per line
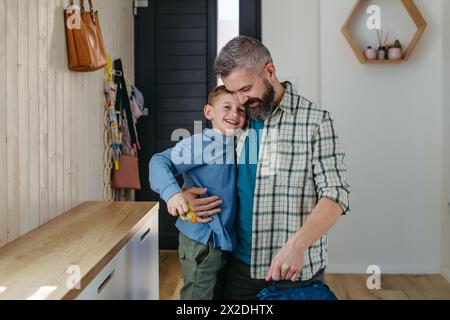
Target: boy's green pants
201 265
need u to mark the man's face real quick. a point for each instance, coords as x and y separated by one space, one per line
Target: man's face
253 91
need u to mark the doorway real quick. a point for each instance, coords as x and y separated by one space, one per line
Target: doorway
175 47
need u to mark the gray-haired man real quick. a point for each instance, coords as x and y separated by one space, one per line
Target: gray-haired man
295 192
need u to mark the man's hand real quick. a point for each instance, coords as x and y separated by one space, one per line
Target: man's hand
203 207
177 205
287 264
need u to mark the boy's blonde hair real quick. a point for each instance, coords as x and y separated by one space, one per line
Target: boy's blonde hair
217 92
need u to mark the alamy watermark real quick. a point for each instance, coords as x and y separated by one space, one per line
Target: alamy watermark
73 21
374 280
74 279
201 148
374 20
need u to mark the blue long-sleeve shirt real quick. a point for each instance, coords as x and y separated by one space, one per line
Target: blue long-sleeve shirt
206 160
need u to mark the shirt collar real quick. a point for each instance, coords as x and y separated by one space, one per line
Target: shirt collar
291 99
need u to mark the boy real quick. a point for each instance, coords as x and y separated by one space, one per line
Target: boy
206 160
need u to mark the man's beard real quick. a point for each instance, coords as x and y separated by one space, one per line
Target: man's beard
265 105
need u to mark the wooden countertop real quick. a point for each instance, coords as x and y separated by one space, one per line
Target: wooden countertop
35 265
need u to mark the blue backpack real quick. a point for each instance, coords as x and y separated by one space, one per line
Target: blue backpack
316 290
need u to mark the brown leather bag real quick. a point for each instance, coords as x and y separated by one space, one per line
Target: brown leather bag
128 175
85 46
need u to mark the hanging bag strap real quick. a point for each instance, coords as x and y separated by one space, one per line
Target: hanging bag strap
118 81
91 6
124 100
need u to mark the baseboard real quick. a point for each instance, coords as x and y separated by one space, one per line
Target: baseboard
167 251
446 274
386 269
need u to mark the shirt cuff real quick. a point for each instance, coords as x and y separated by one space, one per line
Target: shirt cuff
170 191
340 196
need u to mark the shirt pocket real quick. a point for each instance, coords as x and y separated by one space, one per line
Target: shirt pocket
293 167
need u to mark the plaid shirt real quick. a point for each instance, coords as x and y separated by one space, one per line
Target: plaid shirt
301 161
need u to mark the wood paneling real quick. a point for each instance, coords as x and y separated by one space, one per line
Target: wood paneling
3 121
51 120
23 105
12 142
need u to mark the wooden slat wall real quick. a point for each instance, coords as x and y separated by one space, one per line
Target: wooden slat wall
51 120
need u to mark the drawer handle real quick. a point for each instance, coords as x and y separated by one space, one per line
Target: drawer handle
145 235
105 283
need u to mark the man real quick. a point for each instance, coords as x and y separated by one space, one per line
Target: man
295 192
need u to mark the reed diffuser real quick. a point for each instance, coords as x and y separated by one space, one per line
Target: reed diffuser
382 53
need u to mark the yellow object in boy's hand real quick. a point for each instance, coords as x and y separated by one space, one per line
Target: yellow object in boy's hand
190 216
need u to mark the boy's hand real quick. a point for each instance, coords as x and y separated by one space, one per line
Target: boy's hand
177 205
203 207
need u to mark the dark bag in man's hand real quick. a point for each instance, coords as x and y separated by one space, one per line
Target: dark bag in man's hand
316 290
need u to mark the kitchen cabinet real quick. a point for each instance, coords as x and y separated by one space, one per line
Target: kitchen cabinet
133 272
113 248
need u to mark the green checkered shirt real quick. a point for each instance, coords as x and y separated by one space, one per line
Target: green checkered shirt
301 160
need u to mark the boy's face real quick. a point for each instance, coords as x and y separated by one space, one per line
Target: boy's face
227 114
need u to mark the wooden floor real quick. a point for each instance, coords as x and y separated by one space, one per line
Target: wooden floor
345 286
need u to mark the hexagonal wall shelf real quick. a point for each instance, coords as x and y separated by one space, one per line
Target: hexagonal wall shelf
415 15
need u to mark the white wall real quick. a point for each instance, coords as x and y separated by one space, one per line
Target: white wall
389 119
51 120
445 248
290 30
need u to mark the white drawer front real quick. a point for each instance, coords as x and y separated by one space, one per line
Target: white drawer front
143 262
109 283
133 273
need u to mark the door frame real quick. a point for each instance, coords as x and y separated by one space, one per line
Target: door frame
250 25
250 19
